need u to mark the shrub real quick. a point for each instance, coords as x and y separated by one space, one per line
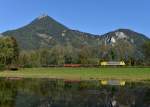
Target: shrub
2 66
28 66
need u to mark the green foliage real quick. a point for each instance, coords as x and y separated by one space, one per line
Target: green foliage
28 66
2 66
146 51
9 51
112 55
15 50
59 55
68 59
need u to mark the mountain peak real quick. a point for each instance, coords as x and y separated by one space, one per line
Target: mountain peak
125 30
48 23
42 16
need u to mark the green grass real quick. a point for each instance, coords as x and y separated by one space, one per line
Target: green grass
81 73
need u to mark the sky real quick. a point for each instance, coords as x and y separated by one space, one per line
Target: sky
92 16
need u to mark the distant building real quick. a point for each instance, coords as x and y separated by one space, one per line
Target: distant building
113 63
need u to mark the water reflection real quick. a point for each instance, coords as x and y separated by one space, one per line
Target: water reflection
60 93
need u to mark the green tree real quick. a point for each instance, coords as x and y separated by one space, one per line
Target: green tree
85 55
146 51
9 50
24 58
45 57
15 49
57 54
112 53
68 59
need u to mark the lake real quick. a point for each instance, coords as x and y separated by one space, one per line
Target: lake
17 92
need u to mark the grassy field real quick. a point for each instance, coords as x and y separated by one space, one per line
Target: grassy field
132 74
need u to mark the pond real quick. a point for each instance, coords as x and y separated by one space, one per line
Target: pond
62 93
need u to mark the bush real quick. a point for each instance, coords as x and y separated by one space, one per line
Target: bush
2 66
28 66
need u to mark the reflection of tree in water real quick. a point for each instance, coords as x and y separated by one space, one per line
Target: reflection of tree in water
57 93
7 93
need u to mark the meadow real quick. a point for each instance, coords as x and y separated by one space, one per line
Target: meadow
132 74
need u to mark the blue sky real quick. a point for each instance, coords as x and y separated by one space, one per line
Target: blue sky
93 16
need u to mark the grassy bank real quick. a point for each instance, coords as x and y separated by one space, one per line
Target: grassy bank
81 73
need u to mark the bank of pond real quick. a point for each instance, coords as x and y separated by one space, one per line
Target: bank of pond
103 65
19 92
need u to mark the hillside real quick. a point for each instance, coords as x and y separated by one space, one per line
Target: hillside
45 32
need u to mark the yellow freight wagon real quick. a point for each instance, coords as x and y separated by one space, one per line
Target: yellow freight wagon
113 82
113 63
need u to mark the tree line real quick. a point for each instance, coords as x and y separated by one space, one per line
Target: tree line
11 55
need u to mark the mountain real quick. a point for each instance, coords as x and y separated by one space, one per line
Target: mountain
125 42
1 35
125 35
45 32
